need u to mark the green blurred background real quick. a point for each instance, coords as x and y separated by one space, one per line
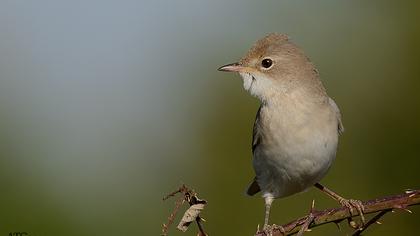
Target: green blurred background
105 106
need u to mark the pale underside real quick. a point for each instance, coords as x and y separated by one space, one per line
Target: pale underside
295 140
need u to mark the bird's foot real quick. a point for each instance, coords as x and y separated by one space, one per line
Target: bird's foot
269 229
353 205
305 227
309 219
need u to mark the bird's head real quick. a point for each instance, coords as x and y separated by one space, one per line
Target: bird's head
273 65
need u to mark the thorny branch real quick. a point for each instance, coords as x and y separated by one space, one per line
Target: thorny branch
196 205
336 215
371 221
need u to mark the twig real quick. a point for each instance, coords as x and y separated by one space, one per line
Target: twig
371 221
200 227
334 215
182 189
195 203
171 217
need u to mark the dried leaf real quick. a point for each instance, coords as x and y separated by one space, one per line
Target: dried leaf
190 215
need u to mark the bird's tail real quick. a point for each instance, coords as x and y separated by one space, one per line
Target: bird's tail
253 188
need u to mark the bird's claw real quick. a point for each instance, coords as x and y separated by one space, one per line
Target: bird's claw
305 226
309 219
269 229
352 204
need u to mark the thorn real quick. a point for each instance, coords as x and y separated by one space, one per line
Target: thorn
330 211
258 228
308 230
392 211
408 191
338 225
412 195
403 207
378 222
407 210
353 224
313 204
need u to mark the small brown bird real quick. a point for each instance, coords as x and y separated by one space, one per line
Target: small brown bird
297 126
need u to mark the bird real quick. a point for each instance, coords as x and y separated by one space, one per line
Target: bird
297 126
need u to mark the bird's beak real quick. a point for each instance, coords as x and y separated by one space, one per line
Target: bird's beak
233 67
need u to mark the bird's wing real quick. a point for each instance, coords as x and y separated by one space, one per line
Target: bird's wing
254 188
338 114
256 136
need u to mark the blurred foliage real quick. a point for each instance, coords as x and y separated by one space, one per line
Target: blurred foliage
107 106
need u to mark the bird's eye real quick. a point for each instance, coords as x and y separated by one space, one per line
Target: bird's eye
266 63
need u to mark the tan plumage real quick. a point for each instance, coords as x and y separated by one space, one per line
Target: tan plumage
296 129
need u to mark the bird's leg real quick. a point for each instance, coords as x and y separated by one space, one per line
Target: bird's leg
268 201
348 203
268 229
